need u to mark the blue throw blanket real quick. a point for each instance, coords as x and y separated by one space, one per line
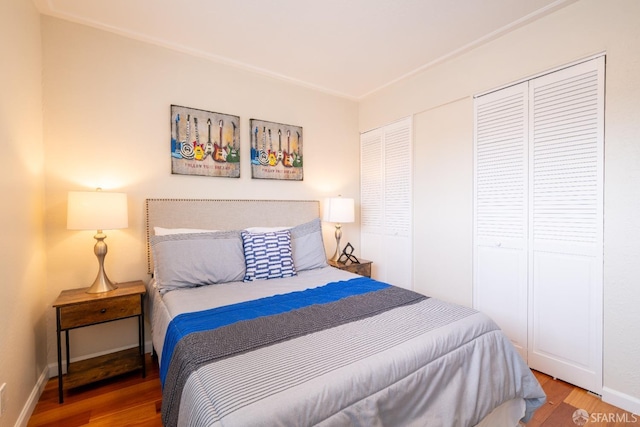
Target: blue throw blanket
188 323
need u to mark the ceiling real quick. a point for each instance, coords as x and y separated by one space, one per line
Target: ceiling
349 48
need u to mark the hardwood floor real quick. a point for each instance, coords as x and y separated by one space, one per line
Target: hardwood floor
564 399
130 400
126 400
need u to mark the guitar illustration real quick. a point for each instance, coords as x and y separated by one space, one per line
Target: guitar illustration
233 156
279 155
272 155
219 154
287 160
254 148
263 156
175 144
208 148
297 156
186 148
198 152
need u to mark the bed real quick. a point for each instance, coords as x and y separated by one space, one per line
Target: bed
252 327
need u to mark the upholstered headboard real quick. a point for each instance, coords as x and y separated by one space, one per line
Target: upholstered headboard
225 214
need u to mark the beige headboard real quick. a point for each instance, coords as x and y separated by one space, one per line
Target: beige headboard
225 214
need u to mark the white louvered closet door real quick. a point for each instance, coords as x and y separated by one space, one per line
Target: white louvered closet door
500 217
566 155
538 219
385 197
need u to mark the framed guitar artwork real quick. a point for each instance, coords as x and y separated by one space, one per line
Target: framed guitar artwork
204 143
276 151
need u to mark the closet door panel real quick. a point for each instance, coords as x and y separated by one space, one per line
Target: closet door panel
372 182
371 198
500 210
499 272
561 278
397 203
566 144
385 195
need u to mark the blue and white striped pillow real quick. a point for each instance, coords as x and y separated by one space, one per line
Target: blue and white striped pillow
268 255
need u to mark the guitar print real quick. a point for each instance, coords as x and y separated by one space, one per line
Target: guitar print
272 155
175 142
263 156
286 156
232 155
279 155
254 148
219 154
297 156
208 148
198 151
186 148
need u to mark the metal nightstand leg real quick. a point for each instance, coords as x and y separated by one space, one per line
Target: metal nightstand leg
60 396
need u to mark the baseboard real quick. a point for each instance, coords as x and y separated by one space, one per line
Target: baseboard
32 401
621 400
53 367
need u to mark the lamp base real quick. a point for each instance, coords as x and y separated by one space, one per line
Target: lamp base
102 282
338 252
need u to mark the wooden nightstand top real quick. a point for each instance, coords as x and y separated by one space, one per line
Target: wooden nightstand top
80 295
363 268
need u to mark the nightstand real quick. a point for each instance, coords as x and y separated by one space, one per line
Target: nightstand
76 308
363 269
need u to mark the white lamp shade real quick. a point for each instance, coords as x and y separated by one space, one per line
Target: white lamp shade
97 210
338 209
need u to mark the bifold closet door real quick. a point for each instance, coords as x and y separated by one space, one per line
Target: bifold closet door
385 198
538 219
500 210
566 162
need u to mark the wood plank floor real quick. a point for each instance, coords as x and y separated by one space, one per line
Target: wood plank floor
130 400
126 400
564 399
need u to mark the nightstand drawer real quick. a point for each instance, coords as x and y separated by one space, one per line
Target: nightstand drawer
363 269
90 313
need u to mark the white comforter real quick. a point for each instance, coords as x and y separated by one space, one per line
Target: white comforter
429 363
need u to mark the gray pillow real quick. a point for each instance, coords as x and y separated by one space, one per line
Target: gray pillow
197 259
307 246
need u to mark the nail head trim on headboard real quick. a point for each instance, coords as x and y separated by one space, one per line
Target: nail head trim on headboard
225 214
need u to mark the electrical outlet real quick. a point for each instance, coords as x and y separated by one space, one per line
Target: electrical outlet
3 400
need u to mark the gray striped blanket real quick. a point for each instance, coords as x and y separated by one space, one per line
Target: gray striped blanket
384 357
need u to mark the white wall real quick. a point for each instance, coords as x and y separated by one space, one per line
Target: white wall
107 123
441 100
22 263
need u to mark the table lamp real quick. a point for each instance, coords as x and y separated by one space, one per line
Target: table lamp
97 210
339 211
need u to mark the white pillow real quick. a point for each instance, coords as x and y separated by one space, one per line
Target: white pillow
265 229
160 231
